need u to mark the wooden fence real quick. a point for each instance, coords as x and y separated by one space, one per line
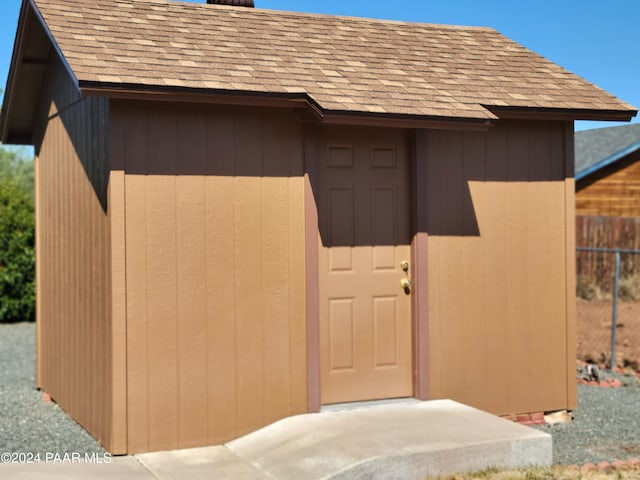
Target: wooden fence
611 233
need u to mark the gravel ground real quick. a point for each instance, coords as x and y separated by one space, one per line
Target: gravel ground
27 423
606 425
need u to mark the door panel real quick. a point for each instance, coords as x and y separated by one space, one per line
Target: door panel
365 315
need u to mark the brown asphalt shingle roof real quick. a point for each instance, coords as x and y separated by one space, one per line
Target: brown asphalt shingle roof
343 64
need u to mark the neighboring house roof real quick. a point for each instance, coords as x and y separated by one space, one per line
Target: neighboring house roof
337 64
597 148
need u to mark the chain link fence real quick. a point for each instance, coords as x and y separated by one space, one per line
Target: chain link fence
608 306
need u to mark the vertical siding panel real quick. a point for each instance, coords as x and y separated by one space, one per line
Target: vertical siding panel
453 190
275 259
118 310
474 332
70 319
297 296
104 264
192 288
494 207
38 252
519 326
61 247
297 368
451 309
220 277
275 248
81 301
135 151
433 186
47 219
546 267
118 365
541 158
161 278
249 272
540 263
50 231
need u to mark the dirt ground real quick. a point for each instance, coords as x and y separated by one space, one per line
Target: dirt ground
587 472
593 325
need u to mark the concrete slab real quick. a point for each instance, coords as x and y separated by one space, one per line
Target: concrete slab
402 442
197 463
118 468
388 441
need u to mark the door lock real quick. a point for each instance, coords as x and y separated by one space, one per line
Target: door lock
404 265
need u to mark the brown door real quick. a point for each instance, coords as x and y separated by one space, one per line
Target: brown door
365 314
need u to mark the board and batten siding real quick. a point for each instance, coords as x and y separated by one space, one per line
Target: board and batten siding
74 331
499 219
215 270
613 191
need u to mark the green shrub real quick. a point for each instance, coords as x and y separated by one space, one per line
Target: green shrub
17 257
17 163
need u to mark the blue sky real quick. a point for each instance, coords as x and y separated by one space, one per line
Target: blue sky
596 39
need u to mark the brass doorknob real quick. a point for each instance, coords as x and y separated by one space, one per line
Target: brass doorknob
405 283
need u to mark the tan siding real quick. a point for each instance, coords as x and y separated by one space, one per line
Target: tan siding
498 277
215 272
612 191
73 255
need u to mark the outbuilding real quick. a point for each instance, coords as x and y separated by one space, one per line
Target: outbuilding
608 171
243 215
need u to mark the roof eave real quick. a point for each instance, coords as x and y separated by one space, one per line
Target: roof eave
566 114
308 109
607 161
21 67
369 119
12 78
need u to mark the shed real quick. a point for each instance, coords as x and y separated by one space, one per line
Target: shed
243 215
608 171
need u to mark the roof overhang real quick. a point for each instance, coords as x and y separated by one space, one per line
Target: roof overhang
34 47
9 98
306 107
29 64
562 114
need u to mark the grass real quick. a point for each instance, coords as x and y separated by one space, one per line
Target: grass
554 473
588 289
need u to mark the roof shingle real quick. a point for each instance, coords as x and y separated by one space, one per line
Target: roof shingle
342 63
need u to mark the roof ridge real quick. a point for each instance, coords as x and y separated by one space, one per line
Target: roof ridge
258 10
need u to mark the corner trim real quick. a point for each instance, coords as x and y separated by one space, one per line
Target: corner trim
419 256
314 401
570 267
